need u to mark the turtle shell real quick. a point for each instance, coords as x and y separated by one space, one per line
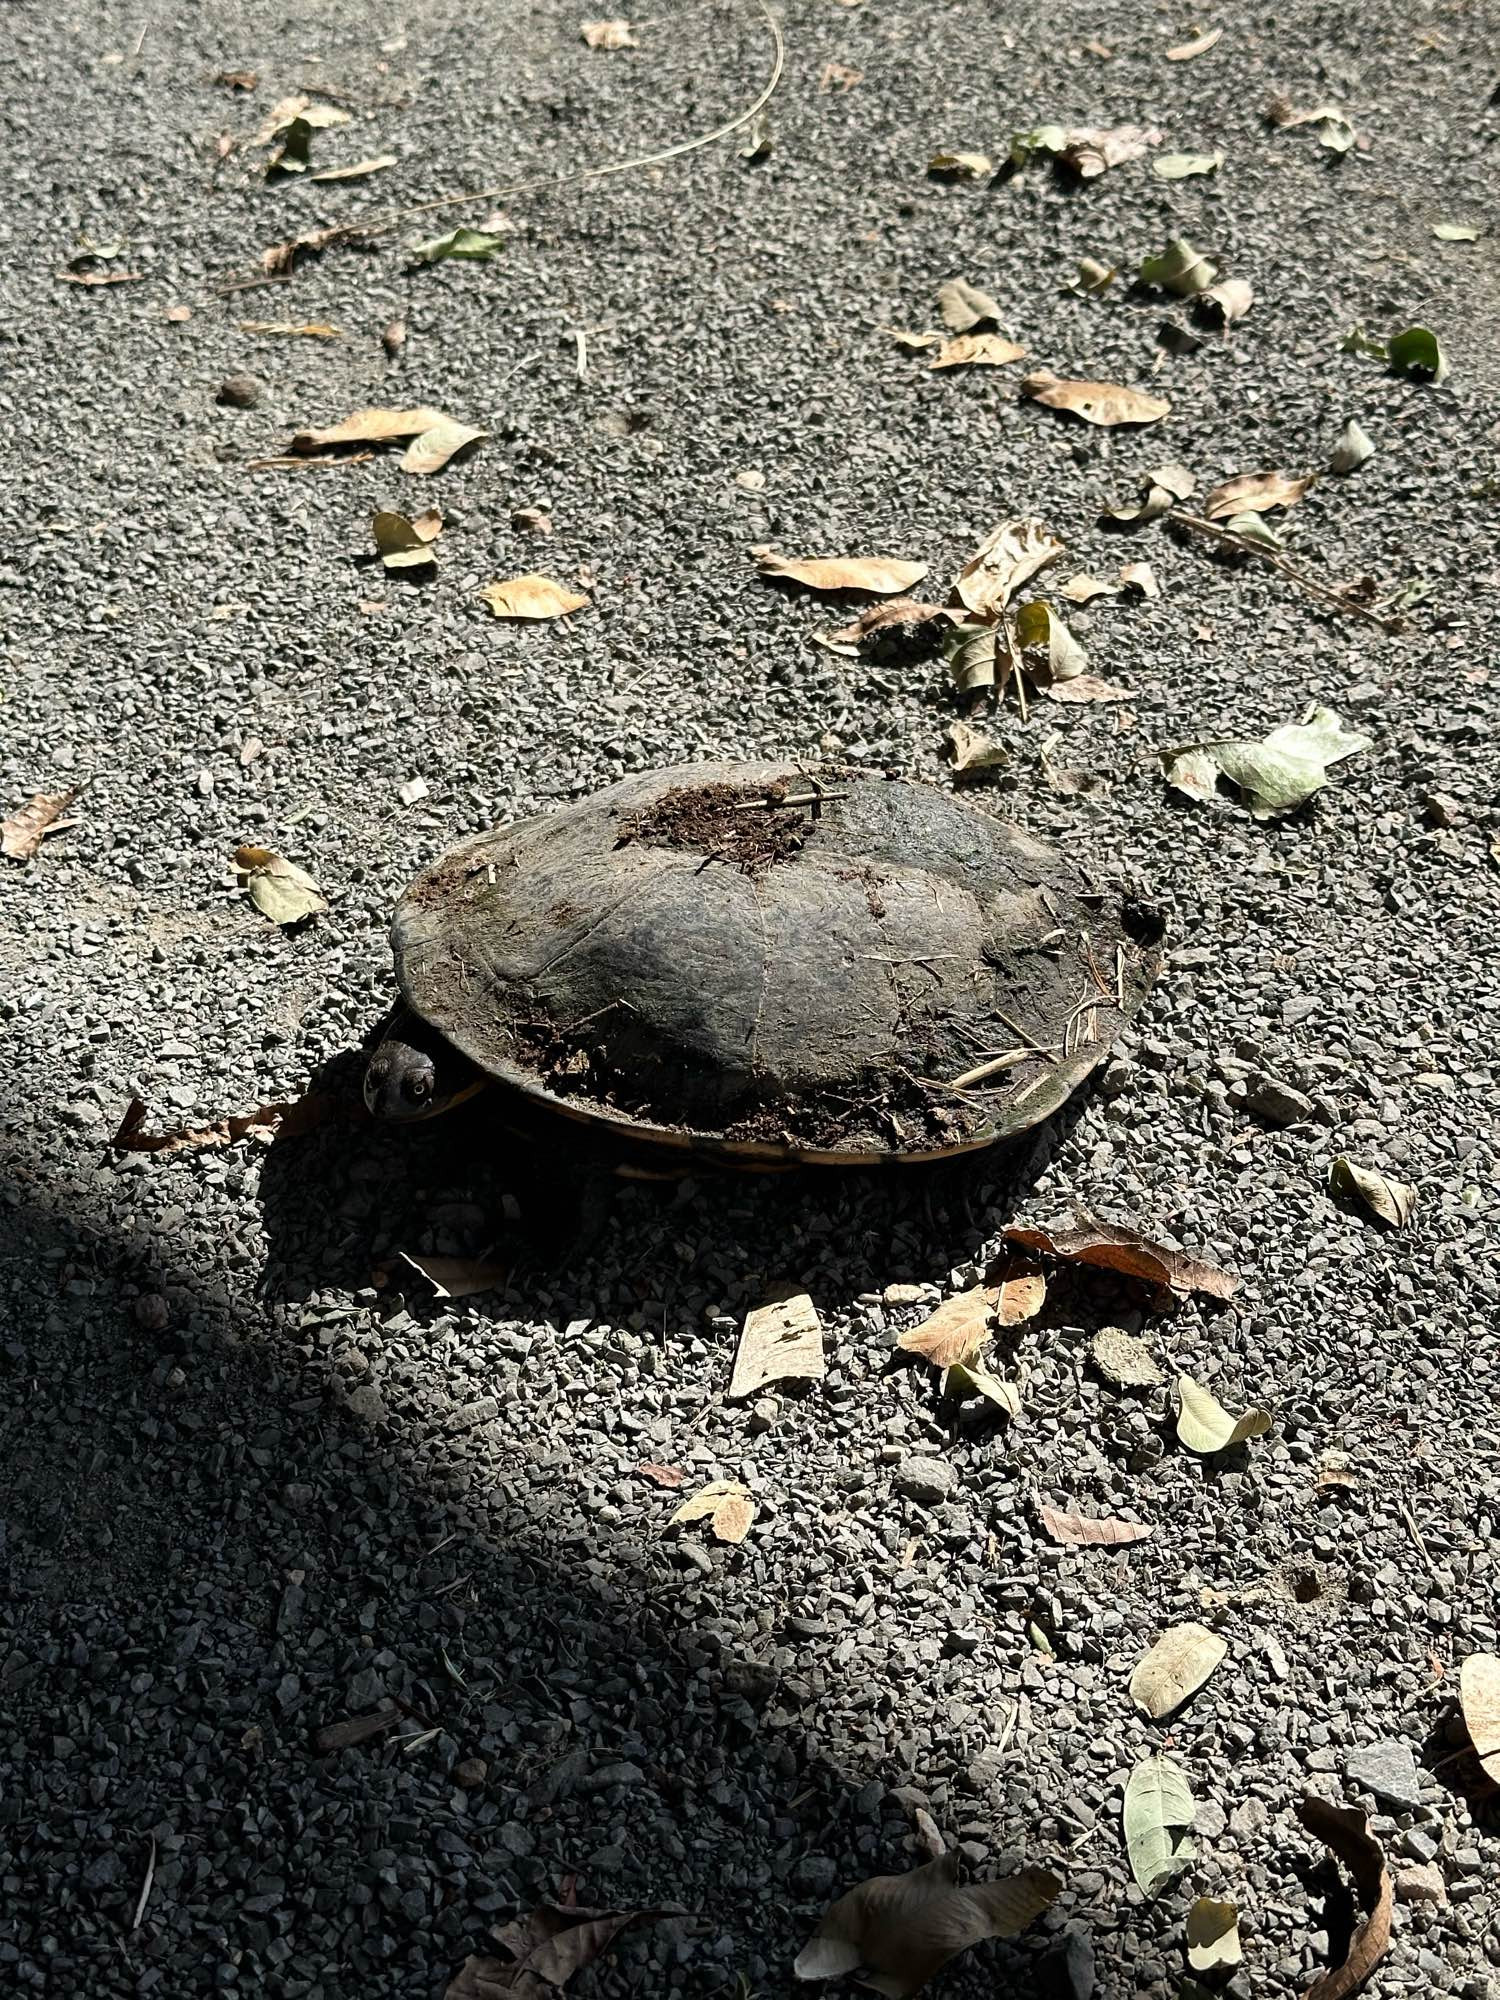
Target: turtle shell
783 967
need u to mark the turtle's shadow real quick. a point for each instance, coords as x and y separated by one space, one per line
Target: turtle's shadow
340 1203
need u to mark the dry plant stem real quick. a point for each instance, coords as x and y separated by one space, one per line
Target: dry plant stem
1293 575
380 225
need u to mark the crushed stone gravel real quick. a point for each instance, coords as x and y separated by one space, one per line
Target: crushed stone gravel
256 1482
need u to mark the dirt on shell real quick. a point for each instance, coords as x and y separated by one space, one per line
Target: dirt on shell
750 826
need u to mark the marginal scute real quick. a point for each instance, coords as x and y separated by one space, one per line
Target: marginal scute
778 963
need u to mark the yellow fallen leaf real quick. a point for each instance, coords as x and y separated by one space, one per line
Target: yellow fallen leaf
1205 1426
532 597
881 576
780 1341
407 544
962 166
375 426
278 888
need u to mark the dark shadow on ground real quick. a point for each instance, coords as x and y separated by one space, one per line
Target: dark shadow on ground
205 1560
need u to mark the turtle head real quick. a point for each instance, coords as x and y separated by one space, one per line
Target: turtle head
414 1073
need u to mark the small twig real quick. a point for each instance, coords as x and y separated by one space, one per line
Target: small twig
1027 1037
1416 1534
1310 584
580 337
817 798
990 1068
140 1908
1120 977
253 284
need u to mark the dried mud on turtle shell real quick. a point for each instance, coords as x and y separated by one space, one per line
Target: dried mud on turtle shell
893 974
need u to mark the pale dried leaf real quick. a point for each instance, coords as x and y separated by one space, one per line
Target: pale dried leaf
1185 51
1352 449
357 171
1479 1701
780 1341
1185 166
1020 1291
970 749
976 350
1113 1247
457 1277
532 596
903 614
1084 589
1255 493
966 309
1103 403
1456 232
912 342
542 1950
1227 301
1205 1426
1094 277
1053 654
1159 1810
1176 1666
1140 576
432 450
375 426
1345 1831
973 1378
1009 556
902 1929
308 329
278 888
401 543
607 35
1180 269
1086 687
1213 1935
880 576
956 1331
962 166
1091 1529
969 652
1125 1360
727 1507
669 1476
267 1121
22 833
1392 1200
1091 150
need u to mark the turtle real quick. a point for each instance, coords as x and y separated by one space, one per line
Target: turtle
767 964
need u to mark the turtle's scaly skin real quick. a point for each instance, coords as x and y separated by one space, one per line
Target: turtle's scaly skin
810 989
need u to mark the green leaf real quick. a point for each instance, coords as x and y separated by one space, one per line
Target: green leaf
1251 527
278 888
1415 351
974 1379
1039 630
969 651
1456 232
1094 277
472 244
1180 269
1292 763
401 544
1205 1426
1352 449
1179 166
1159 1809
1335 133
1041 139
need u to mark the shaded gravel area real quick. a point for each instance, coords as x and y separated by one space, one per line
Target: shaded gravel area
255 1480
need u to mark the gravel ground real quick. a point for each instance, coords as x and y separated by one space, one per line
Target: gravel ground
245 1492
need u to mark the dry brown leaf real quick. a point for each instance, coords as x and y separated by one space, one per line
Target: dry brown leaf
966 309
1176 1666
1102 1529
607 35
265 1122
970 749
880 576
374 426
532 597
1009 556
1096 402
955 1332
663 1475
1112 1247
542 1951
22 833
900 1930
457 1277
1392 1200
727 1507
976 350
1185 51
1225 302
443 440
309 329
282 256
1479 1701
780 1341
101 277
1255 493
1091 149
356 171
903 613
1020 1291
1086 687
1345 1832
1084 589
